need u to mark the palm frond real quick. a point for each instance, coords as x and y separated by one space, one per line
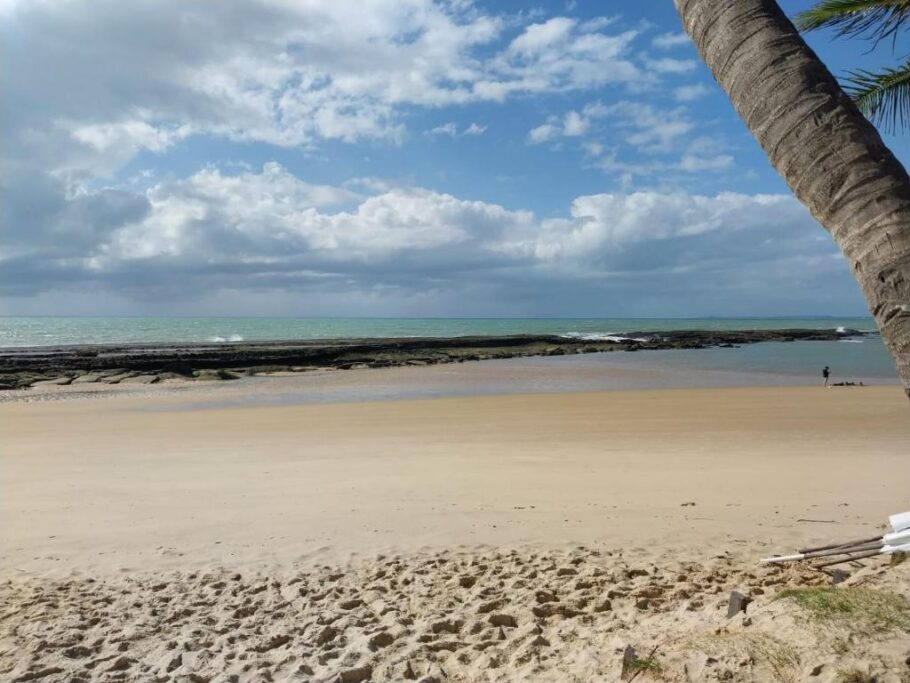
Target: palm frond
874 19
884 96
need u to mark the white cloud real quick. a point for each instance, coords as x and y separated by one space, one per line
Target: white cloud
663 170
647 128
692 162
559 56
89 96
668 65
666 41
632 129
537 38
595 24
273 215
99 81
543 133
659 135
688 93
262 222
575 124
644 126
135 135
603 223
267 236
451 129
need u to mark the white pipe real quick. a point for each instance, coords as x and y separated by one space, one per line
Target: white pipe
897 538
783 558
900 521
897 541
904 548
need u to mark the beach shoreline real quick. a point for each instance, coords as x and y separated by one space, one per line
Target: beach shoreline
41 366
447 471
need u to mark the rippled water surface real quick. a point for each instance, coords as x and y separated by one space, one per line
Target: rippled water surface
39 331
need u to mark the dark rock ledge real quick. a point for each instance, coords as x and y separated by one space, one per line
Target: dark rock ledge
21 368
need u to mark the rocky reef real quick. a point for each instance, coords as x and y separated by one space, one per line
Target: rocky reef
21 368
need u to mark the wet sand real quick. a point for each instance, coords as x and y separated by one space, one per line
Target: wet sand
749 366
39 366
145 483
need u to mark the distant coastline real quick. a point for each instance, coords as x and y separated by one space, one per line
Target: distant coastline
24 367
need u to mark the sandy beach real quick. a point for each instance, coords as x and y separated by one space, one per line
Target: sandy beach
151 482
454 341
467 538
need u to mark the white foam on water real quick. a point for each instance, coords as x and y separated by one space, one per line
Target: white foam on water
230 338
601 336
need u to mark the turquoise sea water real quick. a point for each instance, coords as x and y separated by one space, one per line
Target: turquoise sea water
63 330
864 358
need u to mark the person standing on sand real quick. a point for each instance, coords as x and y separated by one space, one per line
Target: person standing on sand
826 373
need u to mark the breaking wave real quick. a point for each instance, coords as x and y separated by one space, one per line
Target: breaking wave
601 336
230 338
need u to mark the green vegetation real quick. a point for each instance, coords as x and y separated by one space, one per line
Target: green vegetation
641 664
883 95
858 608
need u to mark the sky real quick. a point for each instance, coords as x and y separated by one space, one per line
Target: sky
391 158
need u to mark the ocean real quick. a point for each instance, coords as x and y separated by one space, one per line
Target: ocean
46 331
862 359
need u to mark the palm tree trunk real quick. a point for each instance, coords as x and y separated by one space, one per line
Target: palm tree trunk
832 158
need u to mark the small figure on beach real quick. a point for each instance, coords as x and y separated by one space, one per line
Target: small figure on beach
826 373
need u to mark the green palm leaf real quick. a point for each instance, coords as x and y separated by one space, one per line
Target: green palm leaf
876 19
884 97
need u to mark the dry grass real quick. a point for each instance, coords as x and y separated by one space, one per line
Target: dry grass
645 665
854 676
781 658
856 608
